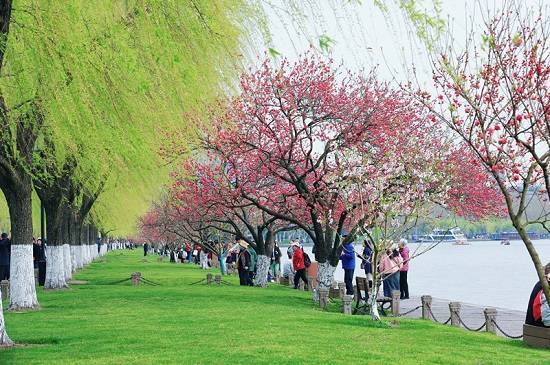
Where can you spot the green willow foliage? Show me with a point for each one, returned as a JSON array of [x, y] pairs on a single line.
[[113, 80]]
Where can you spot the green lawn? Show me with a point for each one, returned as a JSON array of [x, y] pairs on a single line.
[[178, 323]]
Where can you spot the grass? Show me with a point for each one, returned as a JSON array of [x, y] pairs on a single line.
[[178, 323]]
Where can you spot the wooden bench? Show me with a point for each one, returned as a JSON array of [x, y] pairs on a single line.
[[362, 285], [536, 336]]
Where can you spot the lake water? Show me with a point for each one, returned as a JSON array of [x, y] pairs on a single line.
[[484, 273]]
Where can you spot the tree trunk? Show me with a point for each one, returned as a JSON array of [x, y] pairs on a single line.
[[325, 276], [22, 282], [67, 261], [535, 258], [4, 338], [55, 256], [55, 268], [262, 270]]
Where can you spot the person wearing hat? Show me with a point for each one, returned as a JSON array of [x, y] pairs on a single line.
[[243, 263], [299, 265]]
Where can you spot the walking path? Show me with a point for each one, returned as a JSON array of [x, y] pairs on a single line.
[[511, 321]]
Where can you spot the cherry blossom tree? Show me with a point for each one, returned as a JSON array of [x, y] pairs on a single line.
[[494, 96], [330, 152]]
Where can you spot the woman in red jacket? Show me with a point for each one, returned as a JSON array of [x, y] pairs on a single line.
[[299, 265]]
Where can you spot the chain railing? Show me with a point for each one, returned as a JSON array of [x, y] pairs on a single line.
[[504, 333], [435, 319]]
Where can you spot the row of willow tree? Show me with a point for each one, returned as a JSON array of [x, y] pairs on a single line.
[[89, 91], [311, 146]]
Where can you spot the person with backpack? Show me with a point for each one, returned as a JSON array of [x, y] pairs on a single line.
[[298, 261], [348, 264]]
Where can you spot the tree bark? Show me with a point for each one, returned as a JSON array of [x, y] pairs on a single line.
[[535, 258], [22, 285], [325, 277], [5, 340], [55, 263], [262, 270]]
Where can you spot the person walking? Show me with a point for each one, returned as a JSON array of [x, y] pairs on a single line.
[[275, 263], [252, 268], [348, 264], [403, 273], [299, 265], [145, 249], [5, 248], [39, 260], [243, 263]]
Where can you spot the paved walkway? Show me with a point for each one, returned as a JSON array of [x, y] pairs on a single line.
[[511, 321]]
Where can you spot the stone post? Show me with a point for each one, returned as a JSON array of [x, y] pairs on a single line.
[[347, 300], [323, 297], [301, 285], [5, 289], [218, 279], [136, 278], [341, 289], [490, 317], [209, 278], [454, 308], [395, 296], [426, 305], [291, 279]]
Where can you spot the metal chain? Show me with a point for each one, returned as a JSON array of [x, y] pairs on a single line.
[[435, 319], [119, 281], [468, 328], [409, 312], [504, 333]]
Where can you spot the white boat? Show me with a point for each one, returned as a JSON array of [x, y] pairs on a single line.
[[453, 235]]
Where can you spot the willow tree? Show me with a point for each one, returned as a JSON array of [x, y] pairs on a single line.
[[103, 88]]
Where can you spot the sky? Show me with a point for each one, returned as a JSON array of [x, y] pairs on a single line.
[[365, 37]]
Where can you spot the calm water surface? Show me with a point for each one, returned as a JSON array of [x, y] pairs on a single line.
[[484, 273]]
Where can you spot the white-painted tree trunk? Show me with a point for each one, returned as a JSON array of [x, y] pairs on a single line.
[[262, 270], [67, 261], [4, 338], [22, 282], [77, 257], [55, 268], [86, 254], [373, 304], [103, 249], [325, 276]]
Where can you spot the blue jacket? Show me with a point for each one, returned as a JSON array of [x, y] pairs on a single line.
[[348, 257]]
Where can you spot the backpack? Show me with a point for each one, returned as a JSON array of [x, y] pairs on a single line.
[[307, 260]]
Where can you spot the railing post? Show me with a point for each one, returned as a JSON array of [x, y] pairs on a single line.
[[490, 317], [208, 278], [426, 306], [5, 290], [291, 279], [347, 299], [341, 289], [323, 297], [395, 296], [454, 308]]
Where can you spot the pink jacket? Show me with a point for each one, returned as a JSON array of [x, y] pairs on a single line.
[[388, 265], [404, 252]]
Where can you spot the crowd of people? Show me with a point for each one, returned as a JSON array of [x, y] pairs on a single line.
[[393, 267]]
